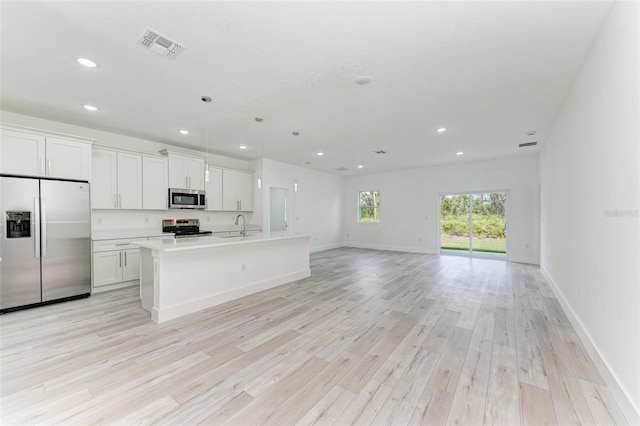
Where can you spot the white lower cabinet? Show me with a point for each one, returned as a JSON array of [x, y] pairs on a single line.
[[107, 268], [115, 261], [131, 265]]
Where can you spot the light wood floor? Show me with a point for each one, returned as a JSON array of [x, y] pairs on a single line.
[[372, 337]]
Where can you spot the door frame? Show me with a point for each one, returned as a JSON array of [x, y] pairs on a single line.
[[470, 252]]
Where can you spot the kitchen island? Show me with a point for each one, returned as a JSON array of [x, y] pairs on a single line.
[[182, 276]]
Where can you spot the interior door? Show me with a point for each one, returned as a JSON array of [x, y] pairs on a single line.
[[278, 209], [66, 243], [19, 257]]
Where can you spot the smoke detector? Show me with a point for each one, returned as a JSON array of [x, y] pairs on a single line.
[[160, 44]]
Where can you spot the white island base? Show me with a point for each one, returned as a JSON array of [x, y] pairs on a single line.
[[179, 277]]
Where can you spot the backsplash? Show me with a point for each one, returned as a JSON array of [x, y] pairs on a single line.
[[105, 220]]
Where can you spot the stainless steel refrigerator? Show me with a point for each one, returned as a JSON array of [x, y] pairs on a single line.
[[45, 247]]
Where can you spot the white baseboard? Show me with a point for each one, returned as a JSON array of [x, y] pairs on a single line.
[[631, 412], [197, 305], [109, 287], [524, 259], [420, 250], [325, 247]]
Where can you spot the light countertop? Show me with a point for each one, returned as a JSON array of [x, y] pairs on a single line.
[[114, 234], [229, 228], [195, 243]]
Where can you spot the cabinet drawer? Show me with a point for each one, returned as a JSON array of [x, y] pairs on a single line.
[[121, 244]]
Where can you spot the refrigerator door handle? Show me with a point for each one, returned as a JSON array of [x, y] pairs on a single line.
[[43, 226], [36, 221]]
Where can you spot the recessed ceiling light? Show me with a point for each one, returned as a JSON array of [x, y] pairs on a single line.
[[363, 79], [360, 166], [441, 129], [90, 107], [86, 62], [243, 147], [459, 153], [320, 153], [184, 132]]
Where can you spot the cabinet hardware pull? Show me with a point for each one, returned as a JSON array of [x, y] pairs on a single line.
[[36, 210], [125, 258], [43, 226], [120, 259], [119, 201]]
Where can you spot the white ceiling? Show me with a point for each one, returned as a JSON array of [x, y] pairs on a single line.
[[487, 71]]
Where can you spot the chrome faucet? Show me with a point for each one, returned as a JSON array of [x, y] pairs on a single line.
[[243, 232]]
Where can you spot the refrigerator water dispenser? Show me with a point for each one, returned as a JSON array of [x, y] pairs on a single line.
[[18, 224]]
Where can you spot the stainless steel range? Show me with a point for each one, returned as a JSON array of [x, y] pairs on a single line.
[[183, 228]]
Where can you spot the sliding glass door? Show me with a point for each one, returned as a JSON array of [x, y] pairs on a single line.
[[474, 223]]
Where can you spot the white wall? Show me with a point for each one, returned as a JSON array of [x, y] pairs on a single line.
[[315, 210], [104, 220], [590, 231], [409, 205]]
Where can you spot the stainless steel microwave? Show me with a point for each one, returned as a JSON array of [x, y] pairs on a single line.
[[187, 199]]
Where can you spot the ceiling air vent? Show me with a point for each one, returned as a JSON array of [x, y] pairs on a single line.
[[160, 44], [522, 145], [379, 152], [342, 169]]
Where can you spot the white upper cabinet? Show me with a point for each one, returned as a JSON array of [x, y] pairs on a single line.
[[230, 190], [68, 159], [129, 181], [38, 154], [195, 171], [104, 182], [117, 180], [22, 153], [155, 183], [245, 191], [213, 188], [237, 190], [185, 172]]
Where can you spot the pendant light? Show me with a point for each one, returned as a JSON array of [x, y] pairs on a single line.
[[207, 100], [206, 161], [260, 171]]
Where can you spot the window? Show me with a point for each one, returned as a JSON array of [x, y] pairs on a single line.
[[369, 206]]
